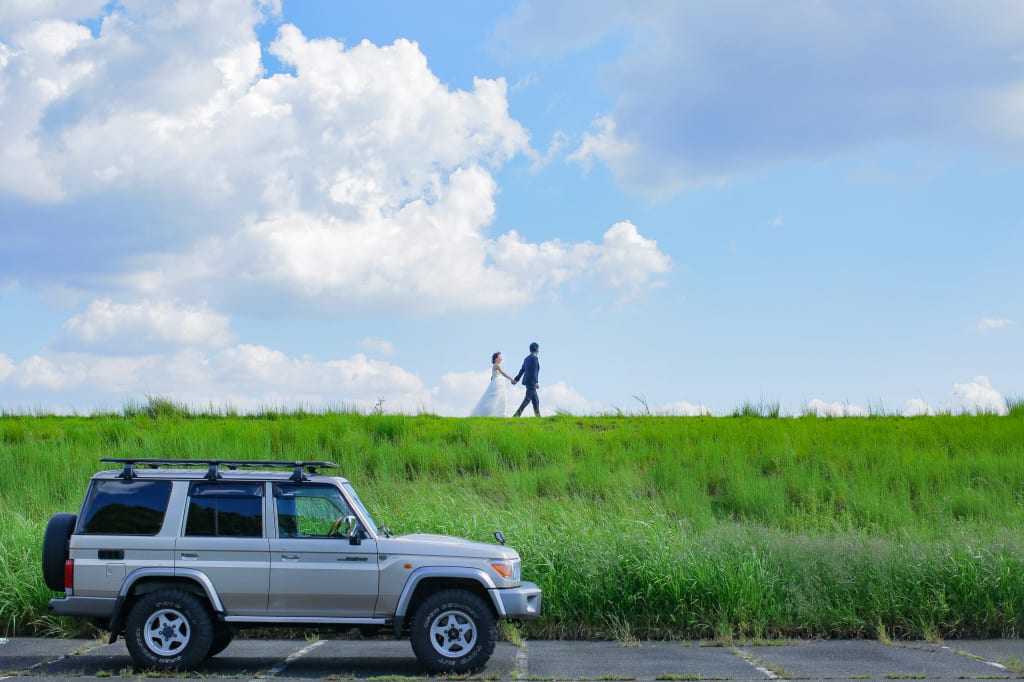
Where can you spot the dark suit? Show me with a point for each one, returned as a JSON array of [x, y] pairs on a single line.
[[530, 373]]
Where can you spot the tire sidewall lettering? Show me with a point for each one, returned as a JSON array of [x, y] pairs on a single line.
[[200, 631], [468, 605]]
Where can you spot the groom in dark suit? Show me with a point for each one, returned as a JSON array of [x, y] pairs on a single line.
[[530, 372]]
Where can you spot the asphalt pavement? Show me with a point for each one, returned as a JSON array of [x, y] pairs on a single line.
[[543, 661]]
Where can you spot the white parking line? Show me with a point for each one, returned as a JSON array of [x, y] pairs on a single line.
[[998, 666], [756, 664], [522, 664], [277, 670], [77, 652]]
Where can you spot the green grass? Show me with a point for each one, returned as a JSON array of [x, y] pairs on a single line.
[[709, 528], [1015, 405]]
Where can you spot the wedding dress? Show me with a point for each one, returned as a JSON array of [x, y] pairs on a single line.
[[492, 402]]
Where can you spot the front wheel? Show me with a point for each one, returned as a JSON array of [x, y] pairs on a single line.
[[169, 630], [453, 631]]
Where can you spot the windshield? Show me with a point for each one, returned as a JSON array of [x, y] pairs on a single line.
[[360, 507]]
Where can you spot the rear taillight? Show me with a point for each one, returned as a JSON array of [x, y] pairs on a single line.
[[69, 574]]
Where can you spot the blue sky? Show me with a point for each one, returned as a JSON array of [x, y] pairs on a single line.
[[689, 205]]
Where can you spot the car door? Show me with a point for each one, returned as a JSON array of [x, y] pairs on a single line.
[[223, 537], [315, 570]]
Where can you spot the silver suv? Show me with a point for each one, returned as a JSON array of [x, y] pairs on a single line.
[[176, 560]]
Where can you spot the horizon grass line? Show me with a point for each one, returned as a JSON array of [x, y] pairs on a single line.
[[161, 407]]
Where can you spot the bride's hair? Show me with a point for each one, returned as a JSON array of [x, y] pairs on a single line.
[[494, 358]]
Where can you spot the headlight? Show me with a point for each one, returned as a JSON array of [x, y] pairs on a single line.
[[508, 569]]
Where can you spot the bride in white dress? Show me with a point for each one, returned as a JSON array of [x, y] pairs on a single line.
[[492, 402]]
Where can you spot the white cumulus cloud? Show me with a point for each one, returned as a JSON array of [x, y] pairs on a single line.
[[377, 346], [623, 259], [242, 376], [917, 408], [145, 325], [459, 392], [155, 158], [683, 408], [977, 396], [6, 367], [557, 397], [40, 372], [834, 409]]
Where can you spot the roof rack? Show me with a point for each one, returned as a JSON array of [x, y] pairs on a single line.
[[213, 465]]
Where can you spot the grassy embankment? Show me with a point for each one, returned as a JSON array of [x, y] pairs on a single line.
[[710, 527]]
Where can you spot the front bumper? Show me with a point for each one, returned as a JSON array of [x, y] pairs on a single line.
[[520, 603], [95, 607]]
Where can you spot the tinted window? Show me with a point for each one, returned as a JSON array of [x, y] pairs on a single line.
[[125, 507], [226, 510]]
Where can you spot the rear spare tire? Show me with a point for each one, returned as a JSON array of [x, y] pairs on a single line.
[[55, 549]]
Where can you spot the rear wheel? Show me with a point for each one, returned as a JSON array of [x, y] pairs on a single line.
[[453, 631], [55, 549], [169, 630]]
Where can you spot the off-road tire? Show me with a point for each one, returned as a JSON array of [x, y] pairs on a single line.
[[55, 549], [169, 630], [453, 631]]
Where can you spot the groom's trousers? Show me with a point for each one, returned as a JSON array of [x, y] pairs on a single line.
[[531, 397]]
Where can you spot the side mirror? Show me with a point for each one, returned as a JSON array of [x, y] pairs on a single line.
[[350, 530], [499, 536]]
